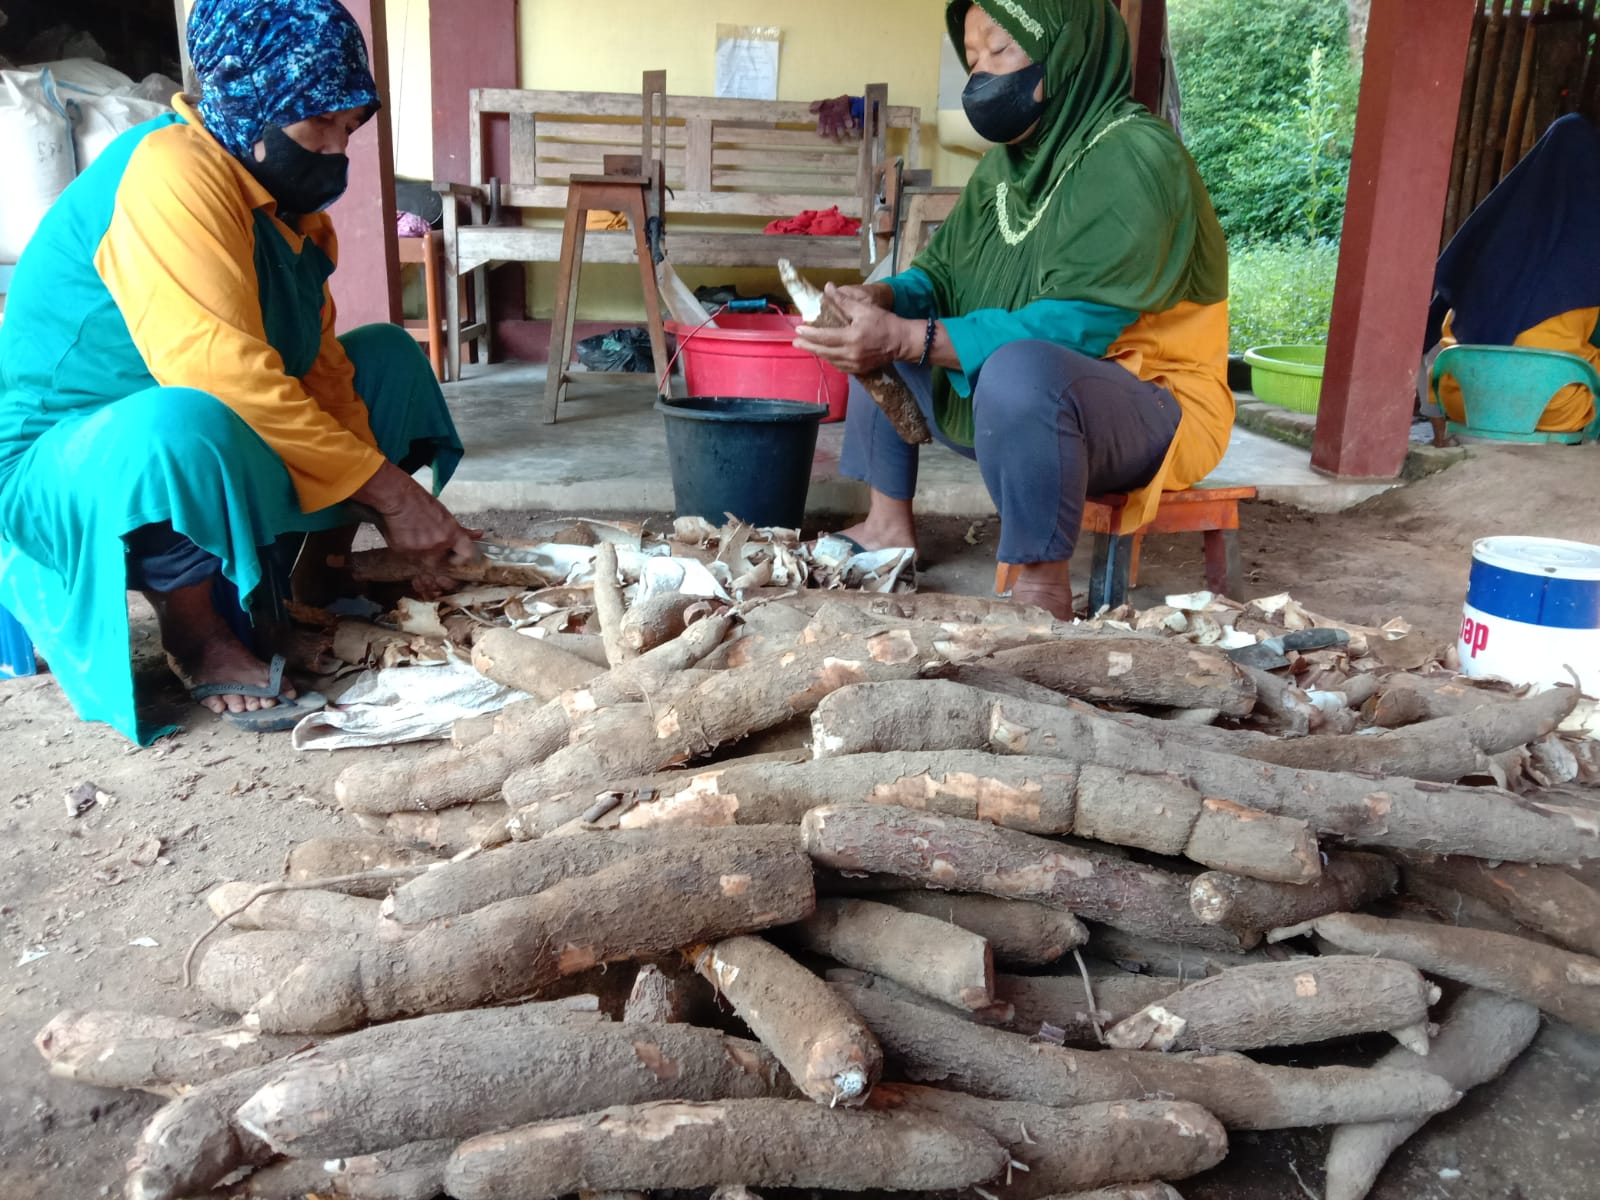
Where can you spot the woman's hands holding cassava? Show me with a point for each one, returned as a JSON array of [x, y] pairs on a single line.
[[873, 337], [413, 522]]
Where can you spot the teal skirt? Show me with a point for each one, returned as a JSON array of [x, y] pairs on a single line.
[[179, 455]]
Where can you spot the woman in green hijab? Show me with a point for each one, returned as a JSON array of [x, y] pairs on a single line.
[[1068, 325]]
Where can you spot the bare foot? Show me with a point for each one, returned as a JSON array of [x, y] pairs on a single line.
[[1047, 585], [202, 649], [889, 523]]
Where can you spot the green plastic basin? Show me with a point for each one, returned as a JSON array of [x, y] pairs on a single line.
[[1288, 376]]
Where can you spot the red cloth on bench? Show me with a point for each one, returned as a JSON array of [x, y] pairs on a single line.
[[829, 222]]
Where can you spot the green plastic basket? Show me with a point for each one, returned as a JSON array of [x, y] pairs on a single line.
[[1288, 376]]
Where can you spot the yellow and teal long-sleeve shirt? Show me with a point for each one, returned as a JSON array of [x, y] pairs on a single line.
[[169, 266]]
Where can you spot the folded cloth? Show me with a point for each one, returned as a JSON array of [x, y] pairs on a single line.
[[828, 222], [410, 225]]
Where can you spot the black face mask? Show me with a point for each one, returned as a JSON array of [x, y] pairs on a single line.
[[1001, 107], [301, 181]]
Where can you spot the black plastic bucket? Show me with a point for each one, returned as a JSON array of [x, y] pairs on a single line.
[[748, 457]]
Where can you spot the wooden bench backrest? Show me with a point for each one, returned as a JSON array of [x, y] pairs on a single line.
[[754, 158]]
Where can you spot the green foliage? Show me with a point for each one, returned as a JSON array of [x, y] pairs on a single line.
[[1269, 102], [1280, 293]]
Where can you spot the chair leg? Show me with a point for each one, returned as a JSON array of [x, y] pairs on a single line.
[[647, 281], [454, 293], [1224, 571], [482, 316], [1133, 560], [555, 387], [1108, 577], [430, 286]]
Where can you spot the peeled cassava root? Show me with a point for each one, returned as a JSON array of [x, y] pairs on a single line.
[[1563, 984], [930, 956], [933, 1047], [820, 1041], [973, 856], [288, 982], [1252, 908], [1055, 1150], [527, 734], [1035, 795], [677, 1145], [1285, 1004], [456, 1085], [1481, 1037], [1128, 1191], [1399, 812]]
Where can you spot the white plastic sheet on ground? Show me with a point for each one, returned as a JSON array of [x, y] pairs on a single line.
[[416, 703]]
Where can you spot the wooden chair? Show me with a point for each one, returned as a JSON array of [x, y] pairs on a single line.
[[923, 210], [730, 165], [635, 186], [1211, 512], [424, 252]]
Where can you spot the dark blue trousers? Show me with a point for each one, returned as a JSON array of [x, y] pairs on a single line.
[[1052, 427]]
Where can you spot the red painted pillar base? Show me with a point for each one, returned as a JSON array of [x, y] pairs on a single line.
[[1400, 172], [366, 286]]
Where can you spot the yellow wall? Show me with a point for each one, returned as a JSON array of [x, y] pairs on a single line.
[[410, 88]]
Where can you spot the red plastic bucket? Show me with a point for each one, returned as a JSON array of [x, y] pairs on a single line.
[[753, 354]]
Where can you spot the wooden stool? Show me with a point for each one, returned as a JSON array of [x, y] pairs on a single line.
[[425, 251], [635, 187], [1212, 512]]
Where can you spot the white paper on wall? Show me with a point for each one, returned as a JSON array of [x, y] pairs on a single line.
[[747, 61]]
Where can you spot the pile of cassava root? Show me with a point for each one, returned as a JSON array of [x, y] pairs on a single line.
[[916, 893]]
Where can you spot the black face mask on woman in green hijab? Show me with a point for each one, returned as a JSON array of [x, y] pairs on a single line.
[[1101, 203]]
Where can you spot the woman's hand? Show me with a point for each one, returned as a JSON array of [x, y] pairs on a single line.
[[880, 295], [414, 523], [873, 337]]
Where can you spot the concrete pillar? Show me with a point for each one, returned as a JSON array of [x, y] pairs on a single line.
[[1399, 176], [366, 286]]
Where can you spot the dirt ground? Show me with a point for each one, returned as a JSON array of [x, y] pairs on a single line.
[[212, 804]]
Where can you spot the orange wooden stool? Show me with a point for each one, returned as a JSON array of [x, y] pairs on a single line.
[[1211, 512]]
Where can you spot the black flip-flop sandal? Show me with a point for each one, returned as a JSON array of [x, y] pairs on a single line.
[[286, 714]]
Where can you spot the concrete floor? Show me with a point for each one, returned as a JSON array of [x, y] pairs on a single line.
[[608, 453]]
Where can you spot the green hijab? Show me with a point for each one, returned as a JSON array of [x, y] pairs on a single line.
[[1102, 204]]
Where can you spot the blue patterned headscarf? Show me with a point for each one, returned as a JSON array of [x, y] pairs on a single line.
[[275, 62]]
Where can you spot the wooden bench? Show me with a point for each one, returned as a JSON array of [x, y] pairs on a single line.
[[1211, 512], [739, 163]]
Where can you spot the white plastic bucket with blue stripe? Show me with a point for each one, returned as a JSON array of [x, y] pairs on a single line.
[[1533, 612]]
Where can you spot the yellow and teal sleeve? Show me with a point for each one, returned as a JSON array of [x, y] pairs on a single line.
[[178, 260], [1078, 325]]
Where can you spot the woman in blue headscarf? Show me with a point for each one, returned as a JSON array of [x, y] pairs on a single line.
[[173, 396]]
